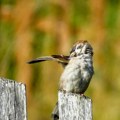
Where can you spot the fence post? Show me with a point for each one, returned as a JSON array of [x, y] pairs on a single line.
[[12, 100], [74, 107]]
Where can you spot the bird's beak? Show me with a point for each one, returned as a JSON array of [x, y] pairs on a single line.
[[83, 49]]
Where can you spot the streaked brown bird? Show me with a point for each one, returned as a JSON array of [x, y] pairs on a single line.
[[78, 69]]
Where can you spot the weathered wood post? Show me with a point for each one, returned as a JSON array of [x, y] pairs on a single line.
[[74, 107], [12, 100]]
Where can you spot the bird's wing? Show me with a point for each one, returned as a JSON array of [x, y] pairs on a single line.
[[61, 57], [41, 59], [58, 58]]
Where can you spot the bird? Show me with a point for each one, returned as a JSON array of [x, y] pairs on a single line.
[[78, 70]]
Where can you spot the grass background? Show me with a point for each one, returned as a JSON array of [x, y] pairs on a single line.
[[33, 28]]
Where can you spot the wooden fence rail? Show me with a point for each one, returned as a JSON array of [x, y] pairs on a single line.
[[12, 100], [13, 103]]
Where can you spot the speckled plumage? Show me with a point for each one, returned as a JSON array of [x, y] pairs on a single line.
[[77, 74]]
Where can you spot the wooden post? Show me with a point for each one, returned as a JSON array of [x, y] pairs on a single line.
[[74, 107], [12, 100]]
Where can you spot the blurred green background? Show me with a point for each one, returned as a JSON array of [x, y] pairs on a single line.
[[34, 28]]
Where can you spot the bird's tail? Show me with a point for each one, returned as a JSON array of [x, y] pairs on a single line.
[[55, 113]]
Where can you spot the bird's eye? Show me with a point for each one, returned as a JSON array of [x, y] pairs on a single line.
[[73, 49]]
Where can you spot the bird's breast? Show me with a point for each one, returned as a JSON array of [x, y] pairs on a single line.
[[75, 77], [70, 76]]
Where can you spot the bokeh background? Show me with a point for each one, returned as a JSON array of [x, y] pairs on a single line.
[[33, 28]]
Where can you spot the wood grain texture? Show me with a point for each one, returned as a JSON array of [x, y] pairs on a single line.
[[12, 100], [74, 107]]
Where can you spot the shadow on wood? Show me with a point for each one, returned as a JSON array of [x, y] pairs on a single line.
[[74, 107], [12, 100]]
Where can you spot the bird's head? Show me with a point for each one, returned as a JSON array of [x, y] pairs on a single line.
[[81, 47]]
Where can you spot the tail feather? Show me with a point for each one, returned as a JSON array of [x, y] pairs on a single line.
[[55, 113], [41, 59], [59, 58]]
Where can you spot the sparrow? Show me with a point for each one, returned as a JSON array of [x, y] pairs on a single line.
[[78, 69]]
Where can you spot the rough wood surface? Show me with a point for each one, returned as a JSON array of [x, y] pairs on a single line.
[[74, 107], [12, 100]]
